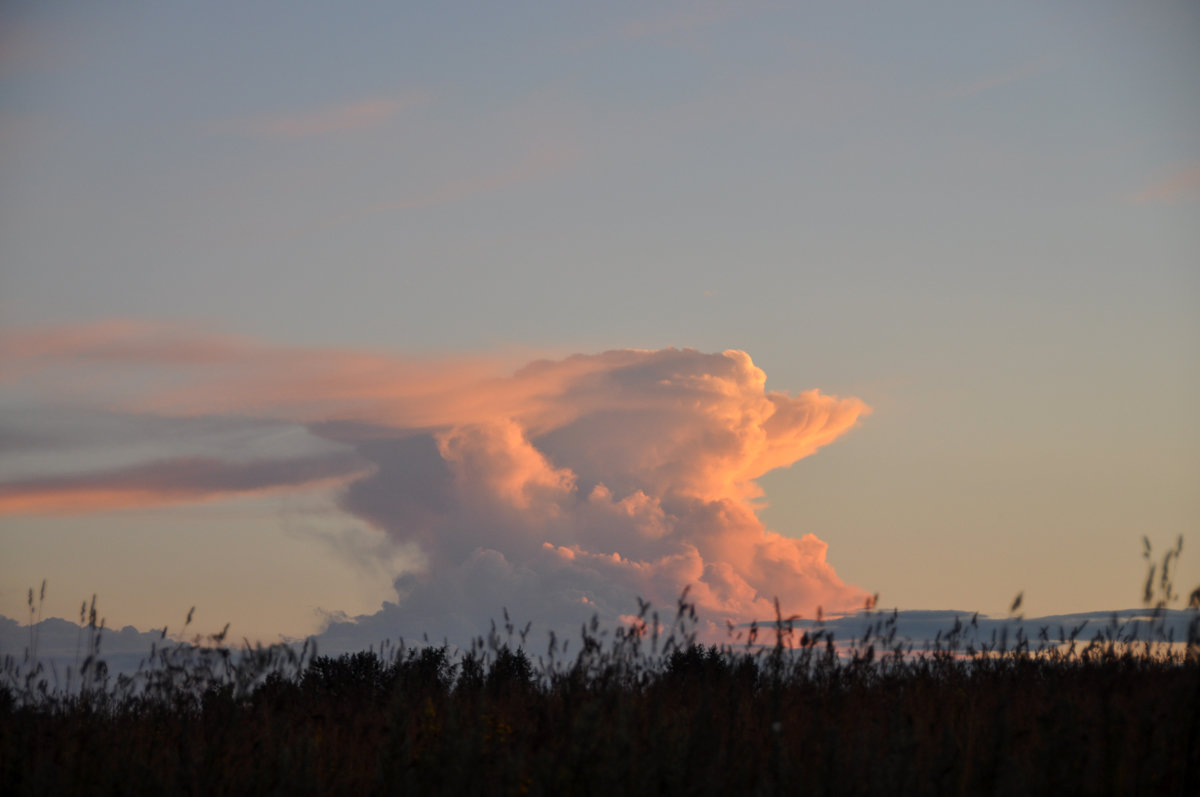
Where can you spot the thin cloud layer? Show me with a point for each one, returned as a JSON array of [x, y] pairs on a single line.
[[321, 121], [1181, 184], [559, 489], [174, 481]]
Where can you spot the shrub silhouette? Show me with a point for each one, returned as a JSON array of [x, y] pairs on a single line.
[[510, 671], [349, 676], [428, 671]]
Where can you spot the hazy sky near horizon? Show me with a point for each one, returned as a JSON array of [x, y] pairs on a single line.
[[265, 268]]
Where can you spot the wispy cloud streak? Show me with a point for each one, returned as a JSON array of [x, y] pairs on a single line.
[[1183, 183], [1002, 78], [175, 481], [538, 163], [688, 18], [320, 121]]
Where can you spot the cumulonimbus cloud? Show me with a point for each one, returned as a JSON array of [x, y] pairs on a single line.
[[561, 488]]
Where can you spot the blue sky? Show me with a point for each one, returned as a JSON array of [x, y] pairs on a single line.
[[981, 220]]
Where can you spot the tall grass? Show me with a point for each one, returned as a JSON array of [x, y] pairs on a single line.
[[644, 708]]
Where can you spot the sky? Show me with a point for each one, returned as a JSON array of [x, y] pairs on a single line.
[[411, 313]]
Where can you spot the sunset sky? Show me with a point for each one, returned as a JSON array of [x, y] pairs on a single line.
[[409, 313]]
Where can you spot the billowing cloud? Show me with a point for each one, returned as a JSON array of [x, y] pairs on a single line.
[[557, 489]]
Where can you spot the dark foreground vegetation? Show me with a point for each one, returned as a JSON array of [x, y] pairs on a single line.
[[644, 710]]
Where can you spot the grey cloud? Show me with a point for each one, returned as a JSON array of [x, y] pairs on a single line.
[[188, 477]]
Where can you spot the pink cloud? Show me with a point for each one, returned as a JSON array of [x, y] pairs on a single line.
[[1004, 77], [129, 340], [560, 486], [538, 163], [1183, 183], [320, 121], [176, 481], [688, 18]]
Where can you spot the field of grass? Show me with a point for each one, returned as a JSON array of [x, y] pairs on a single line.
[[642, 709]]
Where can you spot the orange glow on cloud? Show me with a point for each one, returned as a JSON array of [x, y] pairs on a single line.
[[55, 501], [117, 340], [1182, 183], [88, 500], [599, 477], [162, 483]]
